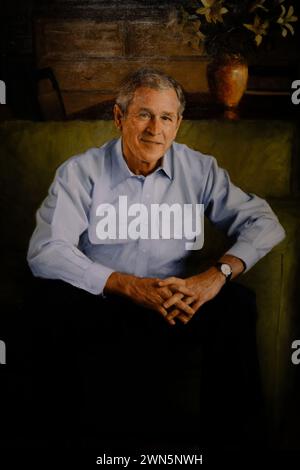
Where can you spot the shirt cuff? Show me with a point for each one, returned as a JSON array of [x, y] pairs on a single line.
[[95, 277], [246, 252]]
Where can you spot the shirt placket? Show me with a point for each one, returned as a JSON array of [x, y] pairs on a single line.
[[144, 245]]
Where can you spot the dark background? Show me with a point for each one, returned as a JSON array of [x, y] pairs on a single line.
[[86, 48]]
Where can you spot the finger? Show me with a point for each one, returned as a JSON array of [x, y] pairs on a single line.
[[166, 293], [176, 300], [162, 310], [170, 280], [172, 300], [185, 307], [164, 313], [183, 289], [176, 313], [189, 300], [186, 291], [184, 318], [173, 314]]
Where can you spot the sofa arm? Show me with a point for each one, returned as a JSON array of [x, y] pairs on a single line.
[[274, 279]]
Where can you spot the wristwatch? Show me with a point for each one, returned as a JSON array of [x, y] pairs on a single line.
[[225, 269]]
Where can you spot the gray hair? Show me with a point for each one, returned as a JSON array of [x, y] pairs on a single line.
[[150, 78]]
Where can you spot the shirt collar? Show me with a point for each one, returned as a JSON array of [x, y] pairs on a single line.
[[120, 170]]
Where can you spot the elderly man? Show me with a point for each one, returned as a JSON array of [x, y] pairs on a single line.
[[148, 319]]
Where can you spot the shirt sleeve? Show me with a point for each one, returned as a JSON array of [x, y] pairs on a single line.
[[63, 216], [245, 216]]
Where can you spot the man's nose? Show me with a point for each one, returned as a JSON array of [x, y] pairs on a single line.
[[154, 126]]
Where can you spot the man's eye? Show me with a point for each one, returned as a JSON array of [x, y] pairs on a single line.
[[167, 118], [144, 115]]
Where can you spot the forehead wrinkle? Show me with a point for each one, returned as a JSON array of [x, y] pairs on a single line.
[[144, 108]]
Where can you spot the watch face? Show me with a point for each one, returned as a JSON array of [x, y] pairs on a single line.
[[226, 269]]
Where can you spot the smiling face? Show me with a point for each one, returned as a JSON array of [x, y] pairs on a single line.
[[148, 128]]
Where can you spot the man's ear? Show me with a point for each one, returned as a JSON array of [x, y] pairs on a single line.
[[118, 115]]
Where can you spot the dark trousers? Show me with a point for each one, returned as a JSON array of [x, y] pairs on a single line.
[[107, 367]]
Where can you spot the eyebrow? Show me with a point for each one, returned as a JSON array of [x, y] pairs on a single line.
[[167, 113]]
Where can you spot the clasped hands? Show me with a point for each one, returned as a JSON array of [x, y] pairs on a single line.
[[176, 298]]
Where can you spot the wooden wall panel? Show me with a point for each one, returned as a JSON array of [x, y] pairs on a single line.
[[150, 39], [90, 55], [71, 39], [102, 75]]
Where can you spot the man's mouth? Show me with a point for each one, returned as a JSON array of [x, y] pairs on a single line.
[[146, 141]]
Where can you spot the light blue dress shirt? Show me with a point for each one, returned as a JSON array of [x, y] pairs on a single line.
[[64, 246]]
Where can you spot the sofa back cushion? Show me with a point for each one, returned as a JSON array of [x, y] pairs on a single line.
[[259, 155]]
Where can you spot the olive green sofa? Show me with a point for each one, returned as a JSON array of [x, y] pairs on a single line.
[[261, 157]]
